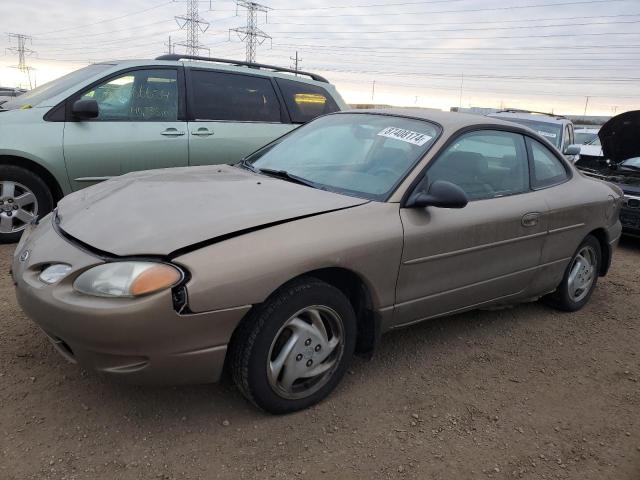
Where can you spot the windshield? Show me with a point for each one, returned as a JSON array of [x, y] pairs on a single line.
[[364, 155], [54, 87], [633, 163], [550, 131], [584, 138]]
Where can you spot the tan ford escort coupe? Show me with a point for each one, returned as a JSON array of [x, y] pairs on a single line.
[[281, 268]]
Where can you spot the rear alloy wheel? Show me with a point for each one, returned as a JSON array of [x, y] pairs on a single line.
[[292, 351], [580, 278], [23, 197]]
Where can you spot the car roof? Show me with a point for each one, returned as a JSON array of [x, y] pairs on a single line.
[[448, 120], [534, 116], [219, 66]]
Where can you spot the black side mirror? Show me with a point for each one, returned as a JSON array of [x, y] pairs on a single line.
[[441, 194], [85, 109]]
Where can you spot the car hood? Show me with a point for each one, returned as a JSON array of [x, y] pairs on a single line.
[[620, 137], [165, 212]]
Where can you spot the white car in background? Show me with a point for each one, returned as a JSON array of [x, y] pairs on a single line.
[[584, 136], [555, 128], [592, 149]]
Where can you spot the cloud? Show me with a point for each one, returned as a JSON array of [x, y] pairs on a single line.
[[418, 52]]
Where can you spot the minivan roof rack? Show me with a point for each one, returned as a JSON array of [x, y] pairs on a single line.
[[177, 56], [518, 110]]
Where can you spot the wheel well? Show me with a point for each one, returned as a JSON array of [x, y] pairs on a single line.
[[43, 173], [603, 239], [354, 288]]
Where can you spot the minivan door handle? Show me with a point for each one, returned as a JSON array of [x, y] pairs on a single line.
[[202, 132], [172, 132], [530, 219]]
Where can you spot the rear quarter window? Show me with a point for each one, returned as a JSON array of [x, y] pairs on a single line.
[[306, 102]]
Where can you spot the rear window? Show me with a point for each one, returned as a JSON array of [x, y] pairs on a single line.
[[233, 97], [306, 102]]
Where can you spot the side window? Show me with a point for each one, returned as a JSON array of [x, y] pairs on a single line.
[[304, 101], [143, 95], [547, 169], [485, 164], [233, 97]]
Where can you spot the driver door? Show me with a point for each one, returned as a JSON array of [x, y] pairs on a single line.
[[139, 127], [455, 259]]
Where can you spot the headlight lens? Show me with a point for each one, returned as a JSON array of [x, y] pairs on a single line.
[[54, 273], [127, 279]]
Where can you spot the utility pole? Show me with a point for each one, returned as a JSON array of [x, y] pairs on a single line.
[[461, 85], [251, 34], [194, 24], [615, 109], [373, 90], [169, 45], [296, 62], [586, 104], [23, 52]]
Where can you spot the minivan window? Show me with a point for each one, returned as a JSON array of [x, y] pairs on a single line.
[[233, 97], [304, 101], [55, 87], [142, 95]]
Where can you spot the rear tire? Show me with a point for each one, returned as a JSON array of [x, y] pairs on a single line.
[[23, 196], [292, 351], [580, 277]]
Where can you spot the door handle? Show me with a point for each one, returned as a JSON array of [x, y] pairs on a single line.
[[172, 132], [530, 219], [202, 132]]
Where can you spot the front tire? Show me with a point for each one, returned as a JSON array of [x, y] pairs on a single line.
[[23, 197], [292, 351], [580, 277]]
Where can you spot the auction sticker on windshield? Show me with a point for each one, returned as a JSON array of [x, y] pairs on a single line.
[[415, 138], [547, 134]]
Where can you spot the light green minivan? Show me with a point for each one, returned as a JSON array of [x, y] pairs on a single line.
[[108, 119]]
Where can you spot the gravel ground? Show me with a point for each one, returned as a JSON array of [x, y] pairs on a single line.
[[520, 393]]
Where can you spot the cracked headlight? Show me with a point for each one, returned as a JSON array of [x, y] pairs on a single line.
[[127, 279]]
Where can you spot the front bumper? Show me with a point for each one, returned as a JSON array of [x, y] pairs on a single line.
[[142, 340], [630, 214]]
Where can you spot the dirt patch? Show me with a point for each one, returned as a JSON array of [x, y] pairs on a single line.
[[521, 393]]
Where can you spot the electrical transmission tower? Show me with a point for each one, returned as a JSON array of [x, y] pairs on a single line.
[[251, 34], [23, 52], [194, 24]]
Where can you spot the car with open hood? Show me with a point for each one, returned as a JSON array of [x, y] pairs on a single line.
[[281, 268], [618, 162]]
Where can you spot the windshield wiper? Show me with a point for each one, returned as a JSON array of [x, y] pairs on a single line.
[[284, 175]]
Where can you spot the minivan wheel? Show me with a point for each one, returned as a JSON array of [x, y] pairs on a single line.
[[579, 279], [23, 197], [292, 351]]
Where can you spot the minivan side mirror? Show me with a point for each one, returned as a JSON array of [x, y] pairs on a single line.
[[572, 150], [441, 194], [85, 109]]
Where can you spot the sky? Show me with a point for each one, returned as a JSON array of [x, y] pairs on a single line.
[[546, 55]]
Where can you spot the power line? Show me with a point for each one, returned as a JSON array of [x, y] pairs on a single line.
[[137, 12], [251, 34], [194, 25], [466, 10]]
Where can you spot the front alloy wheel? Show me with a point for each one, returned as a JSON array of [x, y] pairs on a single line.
[[292, 351]]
